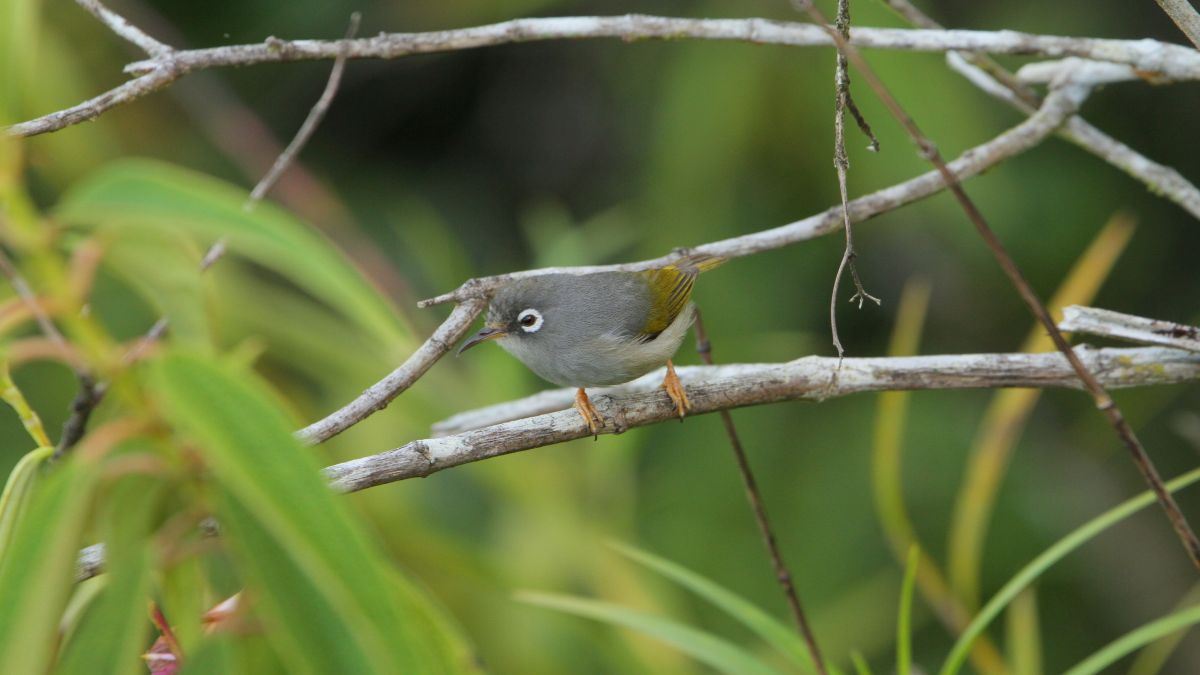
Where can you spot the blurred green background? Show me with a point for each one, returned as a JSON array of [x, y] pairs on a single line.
[[433, 169]]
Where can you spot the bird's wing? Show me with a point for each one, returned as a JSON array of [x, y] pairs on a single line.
[[670, 290]]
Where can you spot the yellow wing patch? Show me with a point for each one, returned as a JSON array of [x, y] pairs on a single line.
[[671, 289]]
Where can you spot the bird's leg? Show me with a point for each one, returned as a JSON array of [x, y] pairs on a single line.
[[674, 389], [588, 412]]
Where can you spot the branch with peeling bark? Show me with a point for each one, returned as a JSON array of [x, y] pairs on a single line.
[[1146, 59], [1129, 328]]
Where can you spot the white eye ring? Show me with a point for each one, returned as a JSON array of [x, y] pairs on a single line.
[[530, 320]]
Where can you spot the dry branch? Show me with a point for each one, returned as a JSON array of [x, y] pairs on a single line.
[[1160, 61], [531, 423], [1107, 323]]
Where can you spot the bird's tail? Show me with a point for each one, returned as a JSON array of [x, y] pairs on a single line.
[[697, 263]]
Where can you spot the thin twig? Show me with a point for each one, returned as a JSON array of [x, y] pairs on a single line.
[[548, 418], [841, 163], [759, 508], [119, 25], [1185, 16], [987, 74], [315, 115], [1160, 61], [1103, 401], [381, 393]]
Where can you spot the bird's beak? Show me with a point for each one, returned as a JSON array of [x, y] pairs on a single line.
[[488, 333]]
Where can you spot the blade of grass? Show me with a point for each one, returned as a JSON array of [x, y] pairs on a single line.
[[772, 631], [1050, 556], [860, 664], [1023, 633], [1010, 409], [904, 620], [1150, 661], [888, 485], [1126, 644], [717, 653]]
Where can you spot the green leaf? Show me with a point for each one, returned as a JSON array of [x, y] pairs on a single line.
[[36, 573], [774, 632], [716, 652], [904, 621], [113, 632], [1040, 564], [18, 32], [16, 491], [320, 584], [155, 194], [1136, 639]]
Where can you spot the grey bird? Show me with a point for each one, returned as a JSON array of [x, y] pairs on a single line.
[[597, 329]]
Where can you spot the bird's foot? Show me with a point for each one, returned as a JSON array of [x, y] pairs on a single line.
[[591, 417], [676, 392]]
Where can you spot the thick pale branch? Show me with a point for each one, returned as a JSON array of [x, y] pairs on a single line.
[[381, 393], [1059, 105], [712, 388], [1159, 61], [1107, 323]]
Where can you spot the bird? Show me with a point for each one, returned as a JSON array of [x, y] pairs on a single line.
[[598, 329]]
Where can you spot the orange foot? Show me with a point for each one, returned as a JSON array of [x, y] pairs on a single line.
[[674, 389], [589, 414]]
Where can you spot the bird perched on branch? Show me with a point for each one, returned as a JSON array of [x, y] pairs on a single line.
[[597, 329]]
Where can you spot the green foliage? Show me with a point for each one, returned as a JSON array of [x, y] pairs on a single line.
[[142, 193], [325, 590], [39, 563]]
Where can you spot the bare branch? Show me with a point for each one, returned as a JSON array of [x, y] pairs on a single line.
[[1059, 105], [713, 388], [1159, 61], [381, 393], [119, 25], [1107, 323], [547, 418], [1185, 16], [315, 115]]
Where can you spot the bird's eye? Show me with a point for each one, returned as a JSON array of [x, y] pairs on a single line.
[[530, 320]]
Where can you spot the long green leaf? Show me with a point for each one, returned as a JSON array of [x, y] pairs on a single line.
[[17, 490], [717, 653], [38, 565], [113, 631], [774, 632], [321, 584], [1136, 639], [155, 194], [904, 621], [1050, 556]]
